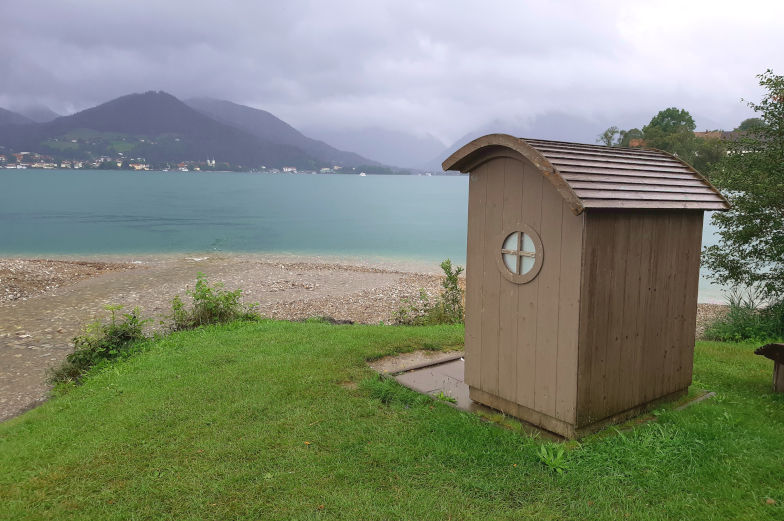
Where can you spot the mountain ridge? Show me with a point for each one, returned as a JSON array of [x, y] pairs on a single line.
[[182, 133], [269, 127], [9, 117]]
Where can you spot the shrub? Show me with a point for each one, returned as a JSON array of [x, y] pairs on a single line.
[[101, 342], [447, 309], [413, 312], [212, 304], [748, 318]]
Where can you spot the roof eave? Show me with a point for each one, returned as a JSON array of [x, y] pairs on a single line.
[[726, 204], [464, 158]]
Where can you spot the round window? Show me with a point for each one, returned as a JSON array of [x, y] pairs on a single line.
[[521, 254]]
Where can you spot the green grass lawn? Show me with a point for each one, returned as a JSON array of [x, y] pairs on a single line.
[[263, 421]]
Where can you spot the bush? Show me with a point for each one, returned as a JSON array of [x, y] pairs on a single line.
[[211, 305], [748, 319], [101, 342], [448, 308]]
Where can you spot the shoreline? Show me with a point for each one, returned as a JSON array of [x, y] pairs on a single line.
[[62, 295], [709, 294], [398, 264]]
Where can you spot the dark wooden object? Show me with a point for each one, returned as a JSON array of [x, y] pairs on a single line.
[[776, 353]]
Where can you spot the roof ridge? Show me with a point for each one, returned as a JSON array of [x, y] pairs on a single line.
[[649, 151]]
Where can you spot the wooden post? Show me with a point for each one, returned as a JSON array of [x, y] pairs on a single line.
[[778, 377], [776, 353]]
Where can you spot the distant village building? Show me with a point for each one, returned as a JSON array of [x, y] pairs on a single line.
[[719, 134]]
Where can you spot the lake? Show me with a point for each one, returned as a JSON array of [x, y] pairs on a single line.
[[90, 212]]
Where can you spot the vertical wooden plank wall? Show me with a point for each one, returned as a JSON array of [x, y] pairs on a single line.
[[491, 279], [639, 288], [546, 357], [528, 294], [568, 315], [477, 191], [508, 312], [521, 339], [692, 237]]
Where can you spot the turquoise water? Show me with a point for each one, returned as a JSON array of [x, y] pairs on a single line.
[[67, 212], [89, 212]]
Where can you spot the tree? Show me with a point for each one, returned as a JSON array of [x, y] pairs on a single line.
[[615, 137], [672, 130], [750, 124], [670, 121], [627, 136], [751, 247], [608, 137]]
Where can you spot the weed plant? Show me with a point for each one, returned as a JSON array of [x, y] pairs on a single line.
[[101, 342], [552, 456], [750, 317], [447, 309], [211, 304]]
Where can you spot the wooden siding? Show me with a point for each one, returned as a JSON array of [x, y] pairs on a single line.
[[521, 339], [639, 302]]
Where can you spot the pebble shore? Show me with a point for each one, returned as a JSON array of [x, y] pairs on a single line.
[[45, 303]]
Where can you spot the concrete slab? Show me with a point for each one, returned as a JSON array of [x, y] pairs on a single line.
[[438, 372], [434, 372], [446, 377]]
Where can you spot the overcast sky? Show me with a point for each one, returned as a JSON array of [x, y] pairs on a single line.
[[440, 67]]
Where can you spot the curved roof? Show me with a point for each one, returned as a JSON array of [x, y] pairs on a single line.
[[594, 176]]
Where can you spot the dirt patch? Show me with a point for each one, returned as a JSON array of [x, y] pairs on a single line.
[[21, 279]]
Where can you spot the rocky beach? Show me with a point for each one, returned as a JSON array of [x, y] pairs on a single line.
[[45, 303]]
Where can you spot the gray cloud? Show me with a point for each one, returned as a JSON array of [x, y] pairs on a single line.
[[440, 67]]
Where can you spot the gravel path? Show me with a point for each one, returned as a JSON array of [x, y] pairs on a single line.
[[44, 303]]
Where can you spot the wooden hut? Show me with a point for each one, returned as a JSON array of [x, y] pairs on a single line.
[[582, 272]]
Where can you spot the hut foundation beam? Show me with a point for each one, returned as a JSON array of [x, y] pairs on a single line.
[[560, 427]]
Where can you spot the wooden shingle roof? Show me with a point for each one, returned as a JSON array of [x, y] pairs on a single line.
[[594, 176]]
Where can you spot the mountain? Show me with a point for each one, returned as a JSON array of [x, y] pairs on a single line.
[[156, 126], [266, 126], [386, 146], [39, 113], [13, 118]]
